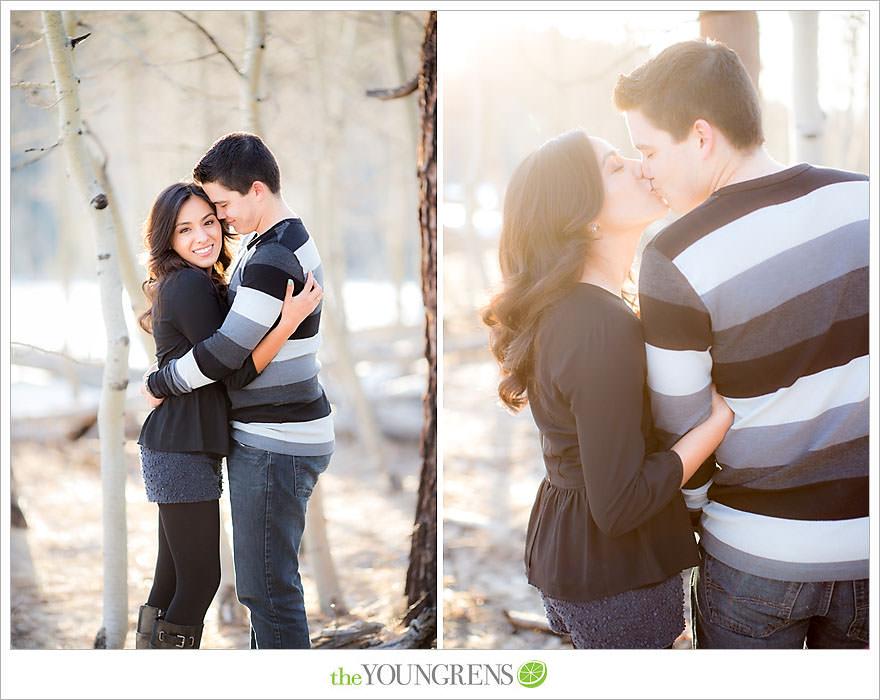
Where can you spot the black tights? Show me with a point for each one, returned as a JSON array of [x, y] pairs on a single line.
[[188, 564]]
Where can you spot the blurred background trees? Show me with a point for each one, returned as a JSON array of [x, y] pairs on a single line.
[[513, 80], [157, 89]]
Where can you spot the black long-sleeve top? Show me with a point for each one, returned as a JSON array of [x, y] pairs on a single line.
[[609, 516], [189, 309]]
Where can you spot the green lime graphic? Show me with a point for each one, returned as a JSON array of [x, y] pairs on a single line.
[[532, 673]]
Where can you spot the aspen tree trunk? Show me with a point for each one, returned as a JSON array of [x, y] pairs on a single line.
[[130, 271], [317, 546], [127, 263], [255, 47], [229, 609], [809, 142], [847, 150], [70, 19], [421, 576], [112, 405], [738, 29], [326, 179]]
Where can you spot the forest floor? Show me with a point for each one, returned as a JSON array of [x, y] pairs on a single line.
[[492, 466], [56, 562]]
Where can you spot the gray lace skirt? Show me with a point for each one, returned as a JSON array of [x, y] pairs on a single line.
[[179, 477], [651, 617]]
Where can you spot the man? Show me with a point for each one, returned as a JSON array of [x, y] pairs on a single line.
[[281, 425], [762, 288]]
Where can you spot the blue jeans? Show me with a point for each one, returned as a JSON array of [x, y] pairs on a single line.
[[268, 492], [736, 610]]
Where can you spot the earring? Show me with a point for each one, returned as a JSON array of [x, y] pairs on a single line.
[[594, 228]]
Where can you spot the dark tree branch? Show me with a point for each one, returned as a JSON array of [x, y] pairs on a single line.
[[213, 41], [394, 93], [150, 64], [194, 59], [420, 634], [41, 153], [76, 40]]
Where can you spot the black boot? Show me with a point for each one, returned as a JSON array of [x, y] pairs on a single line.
[[167, 635], [147, 616]]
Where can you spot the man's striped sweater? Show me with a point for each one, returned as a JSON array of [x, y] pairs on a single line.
[[763, 289], [284, 409]]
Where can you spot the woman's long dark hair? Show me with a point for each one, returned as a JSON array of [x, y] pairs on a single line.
[[162, 259], [552, 197]]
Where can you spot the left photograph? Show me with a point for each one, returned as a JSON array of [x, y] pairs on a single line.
[[222, 325]]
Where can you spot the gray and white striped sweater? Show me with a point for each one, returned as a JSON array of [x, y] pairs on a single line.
[[763, 289]]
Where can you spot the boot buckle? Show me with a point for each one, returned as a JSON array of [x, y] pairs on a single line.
[[182, 640]]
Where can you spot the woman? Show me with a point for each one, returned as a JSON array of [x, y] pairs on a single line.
[[609, 533], [184, 439]]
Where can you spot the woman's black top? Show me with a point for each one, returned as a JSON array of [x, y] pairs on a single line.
[[188, 309], [609, 516]]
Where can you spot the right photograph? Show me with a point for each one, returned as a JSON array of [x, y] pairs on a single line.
[[655, 416]]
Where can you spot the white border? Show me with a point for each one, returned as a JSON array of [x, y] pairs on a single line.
[[441, 183], [271, 674]]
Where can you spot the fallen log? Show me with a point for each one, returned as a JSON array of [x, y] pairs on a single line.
[[421, 633], [359, 635]]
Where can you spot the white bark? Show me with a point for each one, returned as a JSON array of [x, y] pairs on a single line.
[[809, 142], [230, 611], [335, 326], [130, 271], [115, 377], [255, 47], [318, 550]]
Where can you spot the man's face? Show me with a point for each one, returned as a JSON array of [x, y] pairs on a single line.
[[677, 171], [240, 211], [629, 201]]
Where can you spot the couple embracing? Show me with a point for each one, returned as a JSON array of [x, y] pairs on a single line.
[[237, 377], [730, 398]]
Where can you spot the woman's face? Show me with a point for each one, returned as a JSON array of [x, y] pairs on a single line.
[[197, 236], [630, 201]]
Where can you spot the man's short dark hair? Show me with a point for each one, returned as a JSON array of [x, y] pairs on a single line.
[[695, 80], [236, 161]]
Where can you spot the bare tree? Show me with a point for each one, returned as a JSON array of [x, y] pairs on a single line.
[[255, 46], [129, 269], [250, 75], [317, 547], [115, 375], [738, 29], [421, 577], [809, 119], [327, 167]]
